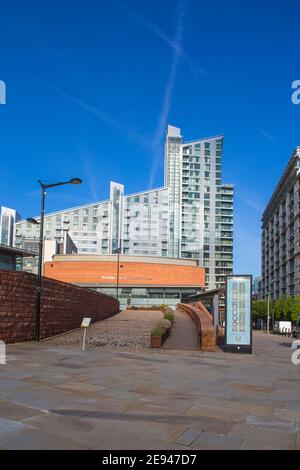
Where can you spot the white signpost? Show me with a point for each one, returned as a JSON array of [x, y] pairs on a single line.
[[85, 324], [2, 353]]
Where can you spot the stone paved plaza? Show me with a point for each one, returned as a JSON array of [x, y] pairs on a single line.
[[59, 397]]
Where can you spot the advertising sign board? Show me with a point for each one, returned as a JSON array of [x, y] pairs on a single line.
[[238, 331]]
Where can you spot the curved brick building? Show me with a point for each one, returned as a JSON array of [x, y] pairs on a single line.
[[144, 280]]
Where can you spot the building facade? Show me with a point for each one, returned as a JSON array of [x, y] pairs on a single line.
[[11, 258], [51, 247], [281, 235], [138, 280], [8, 218], [191, 216]]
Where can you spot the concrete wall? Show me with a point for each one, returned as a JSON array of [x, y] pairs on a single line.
[[63, 306]]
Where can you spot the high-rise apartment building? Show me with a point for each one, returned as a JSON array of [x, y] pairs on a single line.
[[8, 218], [191, 216], [281, 235]]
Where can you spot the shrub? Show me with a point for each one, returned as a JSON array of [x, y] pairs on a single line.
[[161, 328]]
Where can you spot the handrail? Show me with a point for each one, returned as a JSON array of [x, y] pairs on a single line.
[[203, 322]]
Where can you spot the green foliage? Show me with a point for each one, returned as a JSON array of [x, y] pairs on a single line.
[[279, 308], [285, 308], [259, 309], [169, 316], [161, 328]]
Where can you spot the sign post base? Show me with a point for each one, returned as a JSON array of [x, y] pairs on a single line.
[[237, 349]]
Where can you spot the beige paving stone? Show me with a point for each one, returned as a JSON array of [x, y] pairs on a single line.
[[30, 439], [83, 388], [251, 387], [14, 411], [288, 414], [215, 402], [204, 423], [150, 398], [259, 400], [278, 439], [255, 445], [272, 423], [188, 436], [216, 413], [250, 408], [213, 441]]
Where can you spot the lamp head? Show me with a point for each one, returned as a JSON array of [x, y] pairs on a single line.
[[75, 181]]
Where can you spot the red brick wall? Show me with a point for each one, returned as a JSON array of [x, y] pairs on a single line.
[[62, 307], [131, 273]]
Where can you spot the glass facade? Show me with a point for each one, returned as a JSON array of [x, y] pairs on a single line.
[[8, 217], [190, 217]]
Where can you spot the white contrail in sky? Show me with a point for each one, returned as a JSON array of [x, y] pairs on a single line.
[[155, 29], [250, 201], [268, 136], [122, 128], [90, 174], [163, 117], [125, 130]]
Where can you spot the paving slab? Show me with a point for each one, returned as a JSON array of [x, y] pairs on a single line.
[[288, 414], [213, 441], [218, 413], [56, 396], [31, 439], [272, 423], [279, 439], [255, 445], [188, 436], [16, 412], [8, 426], [251, 408]]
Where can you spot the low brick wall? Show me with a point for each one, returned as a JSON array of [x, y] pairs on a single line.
[[62, 307], [203, 322]]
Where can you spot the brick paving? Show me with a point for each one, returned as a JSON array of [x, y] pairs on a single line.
[[129, 330], [58, 397]]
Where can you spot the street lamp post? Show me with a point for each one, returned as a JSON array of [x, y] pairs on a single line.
[[268, 314], [118, 251], [41, 244]]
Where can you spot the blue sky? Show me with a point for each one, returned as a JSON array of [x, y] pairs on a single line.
[[91, 86]]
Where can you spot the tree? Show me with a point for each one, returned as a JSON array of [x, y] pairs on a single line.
[[259, 310], [280, 308], [296, 311]]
